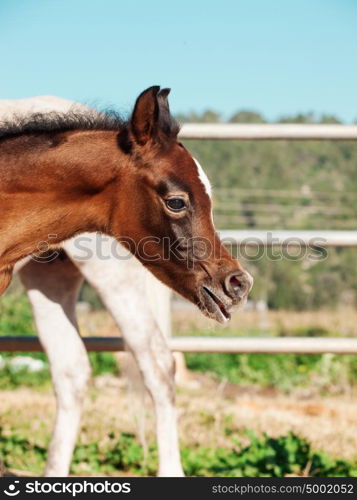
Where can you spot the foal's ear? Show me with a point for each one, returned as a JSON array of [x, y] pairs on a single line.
[[145, 115], [167, 124], [164, 111], [162, 98]]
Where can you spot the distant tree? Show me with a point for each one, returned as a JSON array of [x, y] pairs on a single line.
[[187, 117], [246, 116], [208, 116], [329, 119], [299, 118]]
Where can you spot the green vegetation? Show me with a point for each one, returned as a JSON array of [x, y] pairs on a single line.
[[16, 319], [285, 372], [15, 314], [13, 376], [305, 284], [263, 456], [320, 166]]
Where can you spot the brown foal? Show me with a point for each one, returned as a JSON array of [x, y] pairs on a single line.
[[61, 175]]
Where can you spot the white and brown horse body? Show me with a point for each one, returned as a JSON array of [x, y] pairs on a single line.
[[139, 304], [149, 190]]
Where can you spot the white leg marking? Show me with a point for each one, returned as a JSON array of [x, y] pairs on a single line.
[[122, 285], [52, 290]]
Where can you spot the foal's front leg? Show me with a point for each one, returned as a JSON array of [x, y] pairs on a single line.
[[122, 285], [52, 289]]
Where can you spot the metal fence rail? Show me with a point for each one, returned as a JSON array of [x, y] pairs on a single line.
[[286, 345], [267, 131], [279, 238]]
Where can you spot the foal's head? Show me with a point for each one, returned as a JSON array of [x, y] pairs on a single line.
[[168, 213]]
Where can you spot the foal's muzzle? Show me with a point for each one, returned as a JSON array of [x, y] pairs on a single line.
[[220, 298]]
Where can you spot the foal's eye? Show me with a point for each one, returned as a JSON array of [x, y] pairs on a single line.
[[175, 204]]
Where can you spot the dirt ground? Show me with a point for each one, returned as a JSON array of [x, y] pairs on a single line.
[[206, 410]]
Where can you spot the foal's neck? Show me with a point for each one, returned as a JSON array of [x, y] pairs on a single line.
[[54, 188]]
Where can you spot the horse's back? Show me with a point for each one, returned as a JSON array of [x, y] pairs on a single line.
[[10, 108]]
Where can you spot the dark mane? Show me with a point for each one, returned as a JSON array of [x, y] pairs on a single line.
[[55, 122]]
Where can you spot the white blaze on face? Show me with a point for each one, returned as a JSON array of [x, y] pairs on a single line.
[[203, 178]]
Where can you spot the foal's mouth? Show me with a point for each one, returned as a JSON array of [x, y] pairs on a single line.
[[213, 306]]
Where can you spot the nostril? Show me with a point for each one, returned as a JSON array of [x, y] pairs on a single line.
[[237, 284]]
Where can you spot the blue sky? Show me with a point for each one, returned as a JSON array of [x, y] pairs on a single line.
[[275, 56]]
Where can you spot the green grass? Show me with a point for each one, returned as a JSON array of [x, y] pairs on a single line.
[[13, 377], [282, 371], [16, 319], [263, 456], [16, 315]]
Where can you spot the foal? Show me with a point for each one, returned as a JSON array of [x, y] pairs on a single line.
[[131, 180], [182, 201]]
